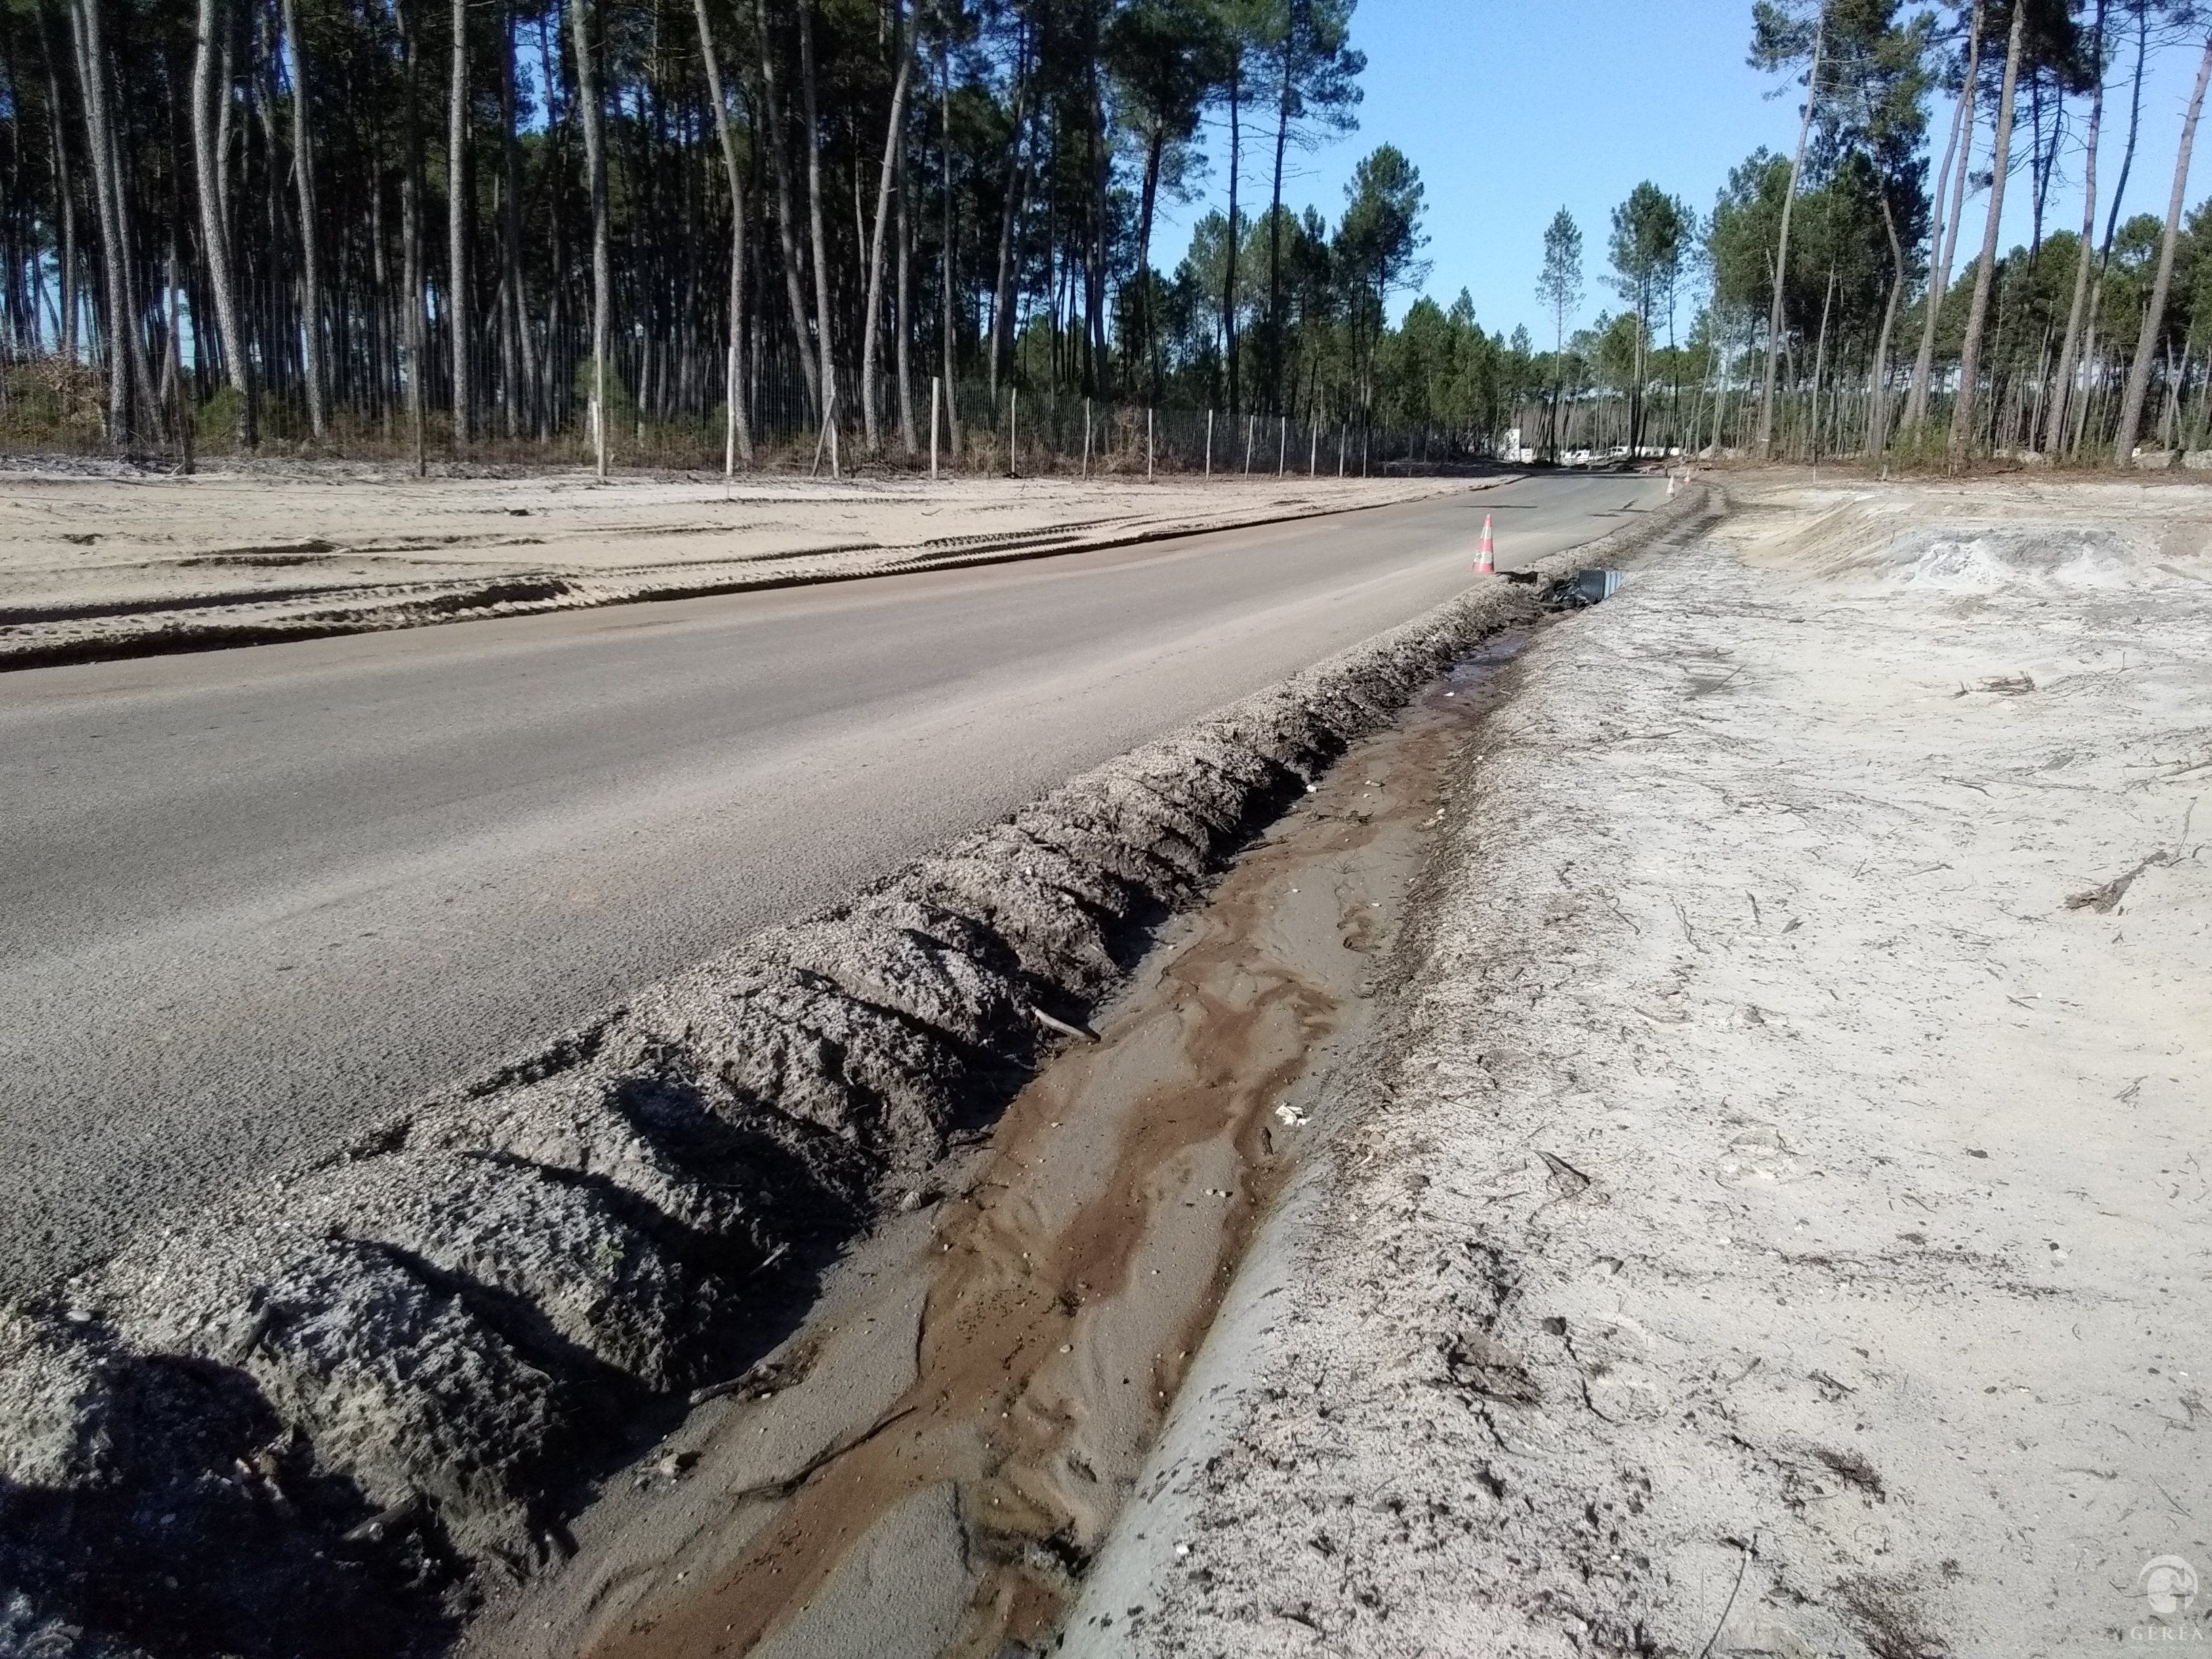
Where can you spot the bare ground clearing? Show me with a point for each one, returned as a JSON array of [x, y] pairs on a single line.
[[102, 566], [1782, 1226]]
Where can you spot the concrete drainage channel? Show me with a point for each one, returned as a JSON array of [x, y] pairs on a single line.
[[368, 1410]]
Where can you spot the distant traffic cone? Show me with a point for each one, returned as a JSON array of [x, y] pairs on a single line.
[[1485, 561]]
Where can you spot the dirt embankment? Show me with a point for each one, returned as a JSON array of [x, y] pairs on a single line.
[[1783, 1227], [304, 1425], [95, 566]]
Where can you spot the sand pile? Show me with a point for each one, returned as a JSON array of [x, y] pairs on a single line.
[[2024, 539]]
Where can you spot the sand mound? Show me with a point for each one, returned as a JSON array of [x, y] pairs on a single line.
[[2000, 558], [1922, 542]]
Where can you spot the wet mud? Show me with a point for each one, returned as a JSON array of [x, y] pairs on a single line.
[[1038, 1318]]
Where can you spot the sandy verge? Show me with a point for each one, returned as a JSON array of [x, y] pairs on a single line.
[[102, 566], [1780, 1226]]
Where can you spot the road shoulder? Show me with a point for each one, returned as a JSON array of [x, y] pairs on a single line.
[[1777, 1225], [98, 567]]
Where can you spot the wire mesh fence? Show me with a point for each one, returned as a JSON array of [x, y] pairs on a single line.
[[658, 420], [1023, 432]]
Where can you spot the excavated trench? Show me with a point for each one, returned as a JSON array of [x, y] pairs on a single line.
[[927, 1465], [374, 1406]]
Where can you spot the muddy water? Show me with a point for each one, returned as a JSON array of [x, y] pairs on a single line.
[[936, 1456]]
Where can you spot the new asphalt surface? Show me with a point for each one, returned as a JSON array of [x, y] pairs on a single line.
[[253, 900]]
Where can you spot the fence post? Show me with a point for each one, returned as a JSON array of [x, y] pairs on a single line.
[[1251, 425], [1013, 431], [936, 387], [1209, 440], [1282, 443], [1340, 449], [1148, 441], [1312, 450], [1086, 437]]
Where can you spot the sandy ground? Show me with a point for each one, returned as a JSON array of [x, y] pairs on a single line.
[[1776, 1222], [93, 564]]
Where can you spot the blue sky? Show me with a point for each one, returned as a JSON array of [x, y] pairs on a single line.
[[1514, 108]]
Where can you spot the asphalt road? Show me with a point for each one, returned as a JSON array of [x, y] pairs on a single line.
[[252, 899]]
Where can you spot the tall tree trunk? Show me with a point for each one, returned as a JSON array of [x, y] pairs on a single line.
[[1782, 251], [1095, 288], [414, 330], [1942, 232], [2153, 320], [1970, 352], [1819, 368], [894, 135], [518, 368], [2089, 350], [2135, 132], [2048, 171], [457, 225], [740, 429], [1147, 198], [1636, 386], [1229, 277], [176, 374], [126, 367], [386, 336], [1274, 338], [1012, 203], [174, 398], [311, 274], [904, 330], [595, 166], [69, 275], [225, 79], [2062, 390], [215, 232], [823, 343], [2040, 167], [559, 380], [786, 219], [1878, 411], [948, 341]]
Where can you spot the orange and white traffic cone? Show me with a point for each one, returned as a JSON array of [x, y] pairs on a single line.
[[1485, 560]]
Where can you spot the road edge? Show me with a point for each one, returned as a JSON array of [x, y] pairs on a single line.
[[1141, 1549], [186, 629]]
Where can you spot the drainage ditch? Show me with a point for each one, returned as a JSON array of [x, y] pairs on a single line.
[[928, 1465]]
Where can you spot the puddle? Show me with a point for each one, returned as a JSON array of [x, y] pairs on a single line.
[[927, 1467]]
